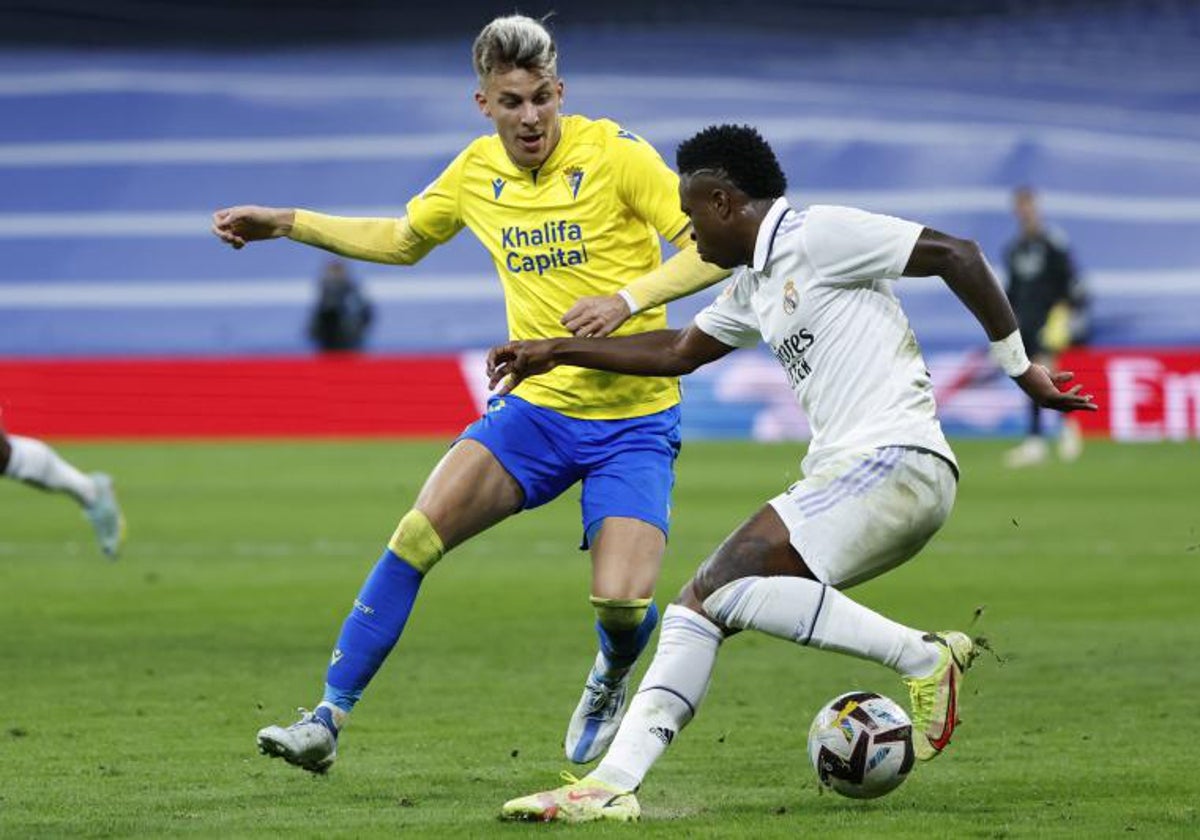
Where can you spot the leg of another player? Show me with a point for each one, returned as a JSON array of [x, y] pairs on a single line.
[[1033, 449], [1070, 435], [755, 580], [467, 492], [33, 462], [626, 559]]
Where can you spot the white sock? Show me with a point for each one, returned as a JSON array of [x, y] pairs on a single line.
[[667, 699], [817, 615], [36, 463]]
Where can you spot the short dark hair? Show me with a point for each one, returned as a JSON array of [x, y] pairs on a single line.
[[740, 153]]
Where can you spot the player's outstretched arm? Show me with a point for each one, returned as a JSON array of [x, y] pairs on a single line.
[[682, 275], [381, 240], [963, 266], [655, 353], [251, 223]]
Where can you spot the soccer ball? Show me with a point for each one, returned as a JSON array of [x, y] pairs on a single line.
[[861, 745]]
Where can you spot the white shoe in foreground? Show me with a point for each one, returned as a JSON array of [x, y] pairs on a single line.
[[307, 743], [578, 801], [596, 719], [105, 515]]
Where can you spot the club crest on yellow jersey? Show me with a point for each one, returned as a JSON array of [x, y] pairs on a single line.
[[573, 175]]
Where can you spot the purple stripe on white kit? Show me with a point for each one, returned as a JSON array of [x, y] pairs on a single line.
[[878, 469], [855, 483], [837, 486]]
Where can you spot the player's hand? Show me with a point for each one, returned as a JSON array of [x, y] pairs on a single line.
[[518, 360], [596, 317], [249, 223], [1042, 386]]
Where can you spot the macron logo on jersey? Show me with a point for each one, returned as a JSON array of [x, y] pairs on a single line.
[[497, 187], [628, 135]]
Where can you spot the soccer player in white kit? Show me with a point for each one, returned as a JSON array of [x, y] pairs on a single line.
[[31, 461], [880, 479]]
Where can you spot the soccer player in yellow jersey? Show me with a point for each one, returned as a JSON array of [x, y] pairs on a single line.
[[569, 209]]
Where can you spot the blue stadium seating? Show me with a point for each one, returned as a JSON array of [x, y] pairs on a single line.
[[112, 161]]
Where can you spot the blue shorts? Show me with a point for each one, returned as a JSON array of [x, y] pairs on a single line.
[[626, 466]]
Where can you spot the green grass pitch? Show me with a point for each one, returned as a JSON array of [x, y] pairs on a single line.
[[132, 691]]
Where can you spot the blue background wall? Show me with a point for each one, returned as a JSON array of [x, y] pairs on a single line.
[[113, 157]]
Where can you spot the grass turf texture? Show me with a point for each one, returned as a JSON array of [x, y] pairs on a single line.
[[131, 692]]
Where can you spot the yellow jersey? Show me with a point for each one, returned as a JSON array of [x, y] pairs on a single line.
[[585, 223]]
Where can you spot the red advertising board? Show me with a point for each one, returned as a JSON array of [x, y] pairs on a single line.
[[1144, 394], [334, 395]]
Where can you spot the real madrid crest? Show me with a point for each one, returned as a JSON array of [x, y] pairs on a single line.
[[791, 298]]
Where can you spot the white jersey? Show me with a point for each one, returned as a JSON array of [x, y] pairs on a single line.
[[820, 294]]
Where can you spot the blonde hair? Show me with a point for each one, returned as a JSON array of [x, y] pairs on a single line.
[[514, 42]]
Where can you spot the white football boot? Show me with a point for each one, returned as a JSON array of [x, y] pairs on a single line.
[[105, 515], [308, 743], [597, 717]]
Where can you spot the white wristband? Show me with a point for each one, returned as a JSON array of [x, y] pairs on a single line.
[[1009, 354], [633, 307]]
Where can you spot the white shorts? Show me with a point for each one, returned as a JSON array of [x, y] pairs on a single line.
[[868, 514]]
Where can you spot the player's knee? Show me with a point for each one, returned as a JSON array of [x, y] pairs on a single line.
[[620, 614], [734, 604], [416, 542], [732, 561]]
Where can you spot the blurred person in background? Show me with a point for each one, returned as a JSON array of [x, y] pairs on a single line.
[[31, 461], [1048, 297], [342, 313], [571, 210]]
